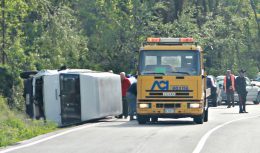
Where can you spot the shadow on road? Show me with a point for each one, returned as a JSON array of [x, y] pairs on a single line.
[[225, 106], [218, 107], [230, 113], [134, 123]]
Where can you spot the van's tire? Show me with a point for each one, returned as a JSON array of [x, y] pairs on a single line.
[[142, 119]]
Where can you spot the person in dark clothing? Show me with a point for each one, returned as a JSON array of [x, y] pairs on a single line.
[[131, 99], [241, 91]]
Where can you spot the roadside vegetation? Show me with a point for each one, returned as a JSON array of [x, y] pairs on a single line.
[[15, 127]]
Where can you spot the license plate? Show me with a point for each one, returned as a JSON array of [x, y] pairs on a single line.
[[169, 110], [168, 94]]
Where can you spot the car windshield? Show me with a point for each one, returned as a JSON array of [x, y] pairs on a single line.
[[257, 79], [178, 63]]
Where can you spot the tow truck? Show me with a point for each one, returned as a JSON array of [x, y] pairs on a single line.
[[171, 80]]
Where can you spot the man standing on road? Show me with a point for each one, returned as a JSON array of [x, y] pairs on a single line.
[[131, 99], [229, 87], [241, 91], [125, 84]]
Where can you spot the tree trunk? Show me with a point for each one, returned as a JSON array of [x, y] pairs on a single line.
[[178, 8], [3, 32], [205, 8], [254, 9]]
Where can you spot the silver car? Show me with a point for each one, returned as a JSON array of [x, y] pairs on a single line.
[[256, 82], [252, 95], [215, 97]]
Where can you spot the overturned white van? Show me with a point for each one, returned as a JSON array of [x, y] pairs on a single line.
[[73, 96]]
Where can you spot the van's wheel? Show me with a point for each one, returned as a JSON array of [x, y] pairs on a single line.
[[154, 119], [142, 119]]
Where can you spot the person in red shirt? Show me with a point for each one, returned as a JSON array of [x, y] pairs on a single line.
[[125, 84], [229, 87]]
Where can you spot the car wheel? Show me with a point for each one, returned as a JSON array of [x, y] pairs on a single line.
[[215, 103], [219, 102], [257, 99]]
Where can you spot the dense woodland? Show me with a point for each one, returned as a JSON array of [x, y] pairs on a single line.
[[104, 34]]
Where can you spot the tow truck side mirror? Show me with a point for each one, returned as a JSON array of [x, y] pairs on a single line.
[[204, 75]]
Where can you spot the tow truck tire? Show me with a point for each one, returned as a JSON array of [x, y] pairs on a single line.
[[199, 119], [206, 115], [142, 119]]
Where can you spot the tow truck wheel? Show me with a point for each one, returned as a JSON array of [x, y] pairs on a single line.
[[142, 119], [199, 119], [206, 114]]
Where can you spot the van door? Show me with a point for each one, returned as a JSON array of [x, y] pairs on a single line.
[[70, 98]]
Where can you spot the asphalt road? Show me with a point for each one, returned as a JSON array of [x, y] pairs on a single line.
[[226, 132]]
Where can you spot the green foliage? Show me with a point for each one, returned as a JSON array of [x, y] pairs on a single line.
[[16, 127], [11, 87], [58, 39], [111, 31]]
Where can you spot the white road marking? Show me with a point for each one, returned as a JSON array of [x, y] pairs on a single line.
[[51, 137], [203, 140]]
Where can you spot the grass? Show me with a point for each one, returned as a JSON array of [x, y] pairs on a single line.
[[15, 127]]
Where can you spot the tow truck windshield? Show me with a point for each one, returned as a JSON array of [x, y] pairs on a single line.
[[175, 63]]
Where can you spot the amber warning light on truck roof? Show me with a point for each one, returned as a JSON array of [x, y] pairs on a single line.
[[170, 40]]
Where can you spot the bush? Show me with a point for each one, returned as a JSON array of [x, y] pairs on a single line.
[[15, 127]]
